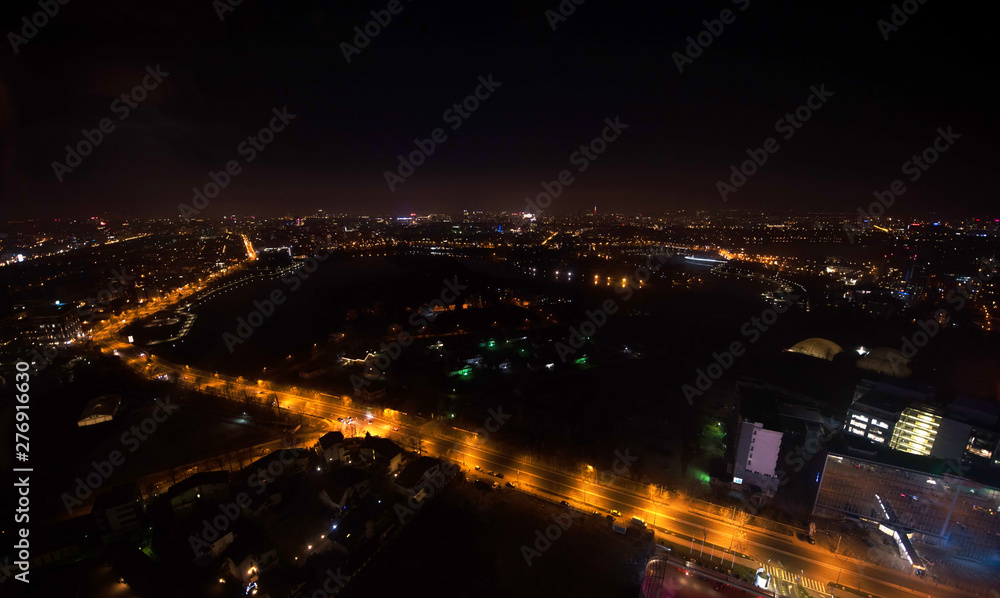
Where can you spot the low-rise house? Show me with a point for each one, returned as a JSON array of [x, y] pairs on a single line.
[[276, 465], [381, 513], [118, 512], [249, 555], [352, 532], [420, 478], [264, 501], [208, 486], [342, 485], [331, 446], [205, 548], [382, 451]]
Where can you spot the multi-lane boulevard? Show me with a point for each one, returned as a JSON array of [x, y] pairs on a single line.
[[793, 557]]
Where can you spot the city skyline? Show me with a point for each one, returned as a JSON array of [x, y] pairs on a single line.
[[530, 298], [692, 113]]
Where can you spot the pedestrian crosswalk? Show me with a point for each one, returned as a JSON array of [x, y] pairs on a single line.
[[795, 579]]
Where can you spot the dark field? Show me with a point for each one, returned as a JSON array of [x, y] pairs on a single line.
[[467, 542]]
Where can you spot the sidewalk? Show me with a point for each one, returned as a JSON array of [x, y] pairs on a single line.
[[737, 565]]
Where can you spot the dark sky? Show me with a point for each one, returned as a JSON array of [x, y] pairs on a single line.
[[606, 59]]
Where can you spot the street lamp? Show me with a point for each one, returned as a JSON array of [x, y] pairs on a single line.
[[839, 538]]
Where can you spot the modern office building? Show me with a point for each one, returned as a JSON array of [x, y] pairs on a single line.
[[874, 415], [757, 457], [51, 325], [984, 443], [916, 430], [902, 418], [929, 501], [983, 419]]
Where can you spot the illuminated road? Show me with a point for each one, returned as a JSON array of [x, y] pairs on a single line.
[[792, 556]]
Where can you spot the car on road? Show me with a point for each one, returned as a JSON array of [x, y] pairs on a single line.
[[478, 468], [500, 475], [811, 540], [395, 429], [509, 484], [564, 503], [598, 513], [616, 513], [490, 473]]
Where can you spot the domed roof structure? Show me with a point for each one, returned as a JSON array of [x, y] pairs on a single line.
[[886, 360], [819, 348]]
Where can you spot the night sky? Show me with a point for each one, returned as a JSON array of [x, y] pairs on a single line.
[[606, 59]]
